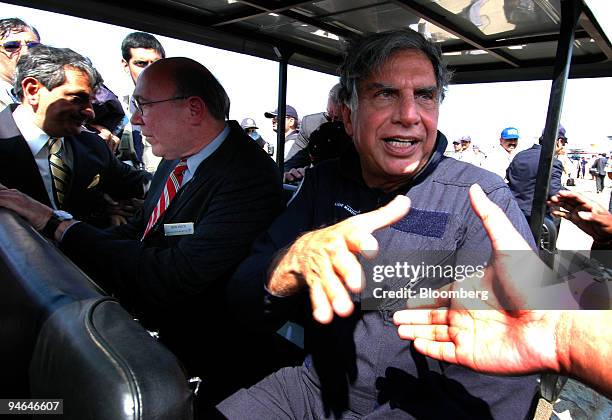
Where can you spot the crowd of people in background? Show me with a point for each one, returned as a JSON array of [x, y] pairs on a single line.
[[164, 201], [499, 159]]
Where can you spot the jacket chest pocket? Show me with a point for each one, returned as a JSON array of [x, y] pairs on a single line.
[[411, 257]]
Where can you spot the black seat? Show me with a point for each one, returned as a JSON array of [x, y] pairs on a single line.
[[105, 365], [63, 338]]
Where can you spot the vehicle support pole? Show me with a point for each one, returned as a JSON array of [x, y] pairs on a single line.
[[282, 102], [552, 384], [570, 12]]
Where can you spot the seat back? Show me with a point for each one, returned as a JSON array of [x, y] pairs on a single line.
[[63, 338], [105, 365]]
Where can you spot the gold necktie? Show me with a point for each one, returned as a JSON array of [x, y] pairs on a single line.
[[60, 172]]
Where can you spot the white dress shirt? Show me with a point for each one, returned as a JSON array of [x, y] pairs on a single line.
[[37, 141]]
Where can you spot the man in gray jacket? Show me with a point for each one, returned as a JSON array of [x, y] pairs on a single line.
[[311, 262], [294, 168]]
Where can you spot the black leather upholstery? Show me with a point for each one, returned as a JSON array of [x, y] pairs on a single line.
[[62, 338], [106, 366]]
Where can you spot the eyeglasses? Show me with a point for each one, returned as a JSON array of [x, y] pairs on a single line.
[[14, 46], [138, 104]]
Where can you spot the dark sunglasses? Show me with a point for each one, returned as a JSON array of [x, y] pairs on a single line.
[[13, 46]]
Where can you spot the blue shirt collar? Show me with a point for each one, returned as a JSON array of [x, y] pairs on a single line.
[[194, 161]]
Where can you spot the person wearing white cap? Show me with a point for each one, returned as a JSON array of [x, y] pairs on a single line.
[[467, 153], [250, 127]]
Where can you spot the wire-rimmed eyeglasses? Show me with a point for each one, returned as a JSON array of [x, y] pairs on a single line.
[[138, 103]]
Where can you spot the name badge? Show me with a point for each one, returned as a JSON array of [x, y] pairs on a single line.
[[175, 229]]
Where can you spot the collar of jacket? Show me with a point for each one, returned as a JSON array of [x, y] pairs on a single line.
[[350, 166]]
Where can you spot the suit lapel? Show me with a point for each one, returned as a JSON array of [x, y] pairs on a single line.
[[19, 169], [157, 186], [184, 194], [77, 174], [211, 165]]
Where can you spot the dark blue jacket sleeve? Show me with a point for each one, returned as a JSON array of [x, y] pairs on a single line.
[[247, 294], [555, 178]]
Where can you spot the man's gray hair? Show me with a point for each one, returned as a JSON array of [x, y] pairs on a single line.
[[47, 64], [9, 25], [334, 94], [367, 54], [193, 79]]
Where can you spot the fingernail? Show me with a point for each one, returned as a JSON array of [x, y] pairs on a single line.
[[354, 282], [321, 314], [342, 305], [370, 247]]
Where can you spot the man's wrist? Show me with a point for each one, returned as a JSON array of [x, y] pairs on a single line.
[[43, 225], [563, 338], [282, 285], [55, 219], [62, 228], [281, 281]]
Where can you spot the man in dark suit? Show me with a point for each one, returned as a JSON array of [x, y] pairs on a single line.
[[523, 170], [56, 87], [170, 263]]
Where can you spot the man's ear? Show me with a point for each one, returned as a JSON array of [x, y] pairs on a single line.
[[346, 119], [125, 64], [31, 88], [196, 109]]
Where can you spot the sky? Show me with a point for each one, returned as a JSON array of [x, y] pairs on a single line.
[[478, 110]]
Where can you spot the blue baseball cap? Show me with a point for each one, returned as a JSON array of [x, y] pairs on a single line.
[[560, 132], [289, 112], [510, 133]]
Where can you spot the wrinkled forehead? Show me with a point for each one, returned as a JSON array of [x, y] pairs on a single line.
[[76, 78], [155, 79], [377, 68]]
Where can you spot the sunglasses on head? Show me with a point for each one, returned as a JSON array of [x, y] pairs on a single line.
[[13, 46]]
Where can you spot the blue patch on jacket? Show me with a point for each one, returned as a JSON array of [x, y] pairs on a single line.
[[423, 222]]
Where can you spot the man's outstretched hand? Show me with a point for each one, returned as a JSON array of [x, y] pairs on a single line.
[[493, 340], [589, 216], [324, 260]]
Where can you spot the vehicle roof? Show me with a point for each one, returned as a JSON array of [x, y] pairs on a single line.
[[496, 40]]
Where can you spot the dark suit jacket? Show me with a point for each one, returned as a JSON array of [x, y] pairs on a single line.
[[299, 151], [521, 175], [176, 283], [91, 159]]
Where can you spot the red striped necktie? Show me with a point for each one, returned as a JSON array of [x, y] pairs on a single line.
[[172, 186]]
